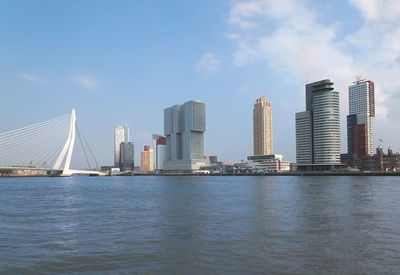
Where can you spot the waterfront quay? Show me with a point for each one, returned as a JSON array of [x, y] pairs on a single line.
[[297, 174], [24, 171], [327, 173], [43, 172]]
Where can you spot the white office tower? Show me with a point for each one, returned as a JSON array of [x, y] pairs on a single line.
[[360, 129], [184, 127], [304, 143], [161, 156], [161, 152], [121, 134]]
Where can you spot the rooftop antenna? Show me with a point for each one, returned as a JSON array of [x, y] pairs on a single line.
[[359, 79]]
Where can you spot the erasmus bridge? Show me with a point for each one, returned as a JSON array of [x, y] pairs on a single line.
[[46, 146]]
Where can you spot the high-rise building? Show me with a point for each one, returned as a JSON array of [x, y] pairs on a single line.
[[126, 133], [318, 128], [161, 152], [304, 139], [184, 127], [360, 133], [121, 134], [127, 154], [262, 127], [154, 138], [147, 160]]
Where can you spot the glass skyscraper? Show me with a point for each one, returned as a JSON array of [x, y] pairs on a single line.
[[127, 155], [121, 134], [318, 128]]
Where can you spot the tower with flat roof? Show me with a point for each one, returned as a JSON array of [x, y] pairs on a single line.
[[121, 134], [184, 127], [262, 127], [147, 159], [127, 155]]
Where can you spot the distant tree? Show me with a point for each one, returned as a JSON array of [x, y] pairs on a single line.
[[5, 172]]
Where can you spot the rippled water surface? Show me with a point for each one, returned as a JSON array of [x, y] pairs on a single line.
[[191, 225]]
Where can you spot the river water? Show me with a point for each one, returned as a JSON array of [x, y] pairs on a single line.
[[200, 225]]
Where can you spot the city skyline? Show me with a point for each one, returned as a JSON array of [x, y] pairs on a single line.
[[108, 71]]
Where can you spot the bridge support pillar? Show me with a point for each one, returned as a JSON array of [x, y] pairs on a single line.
[[67, 149]]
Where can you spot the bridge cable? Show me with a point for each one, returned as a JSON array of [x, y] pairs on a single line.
[[87, 144], [83, 147], [25, 147], [34, 144]]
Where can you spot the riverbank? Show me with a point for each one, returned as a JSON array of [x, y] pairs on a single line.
[[296, 174], [282, 174]]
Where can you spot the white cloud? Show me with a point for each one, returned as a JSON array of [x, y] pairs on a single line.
[[245, 13], [86, 81], [233, 36], [208, 64], [33, 78], [299, 44], [378, 10], [369, 8], [377, 45], [291, 37]]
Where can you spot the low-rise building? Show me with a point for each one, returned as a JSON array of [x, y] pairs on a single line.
[[213, 159], [269, 163], [257, 165], [379, 161]]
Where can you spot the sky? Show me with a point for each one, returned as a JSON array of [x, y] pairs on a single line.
[[123, 62]]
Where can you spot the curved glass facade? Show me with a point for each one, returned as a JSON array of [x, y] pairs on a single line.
[[326, 127], [318, 128]]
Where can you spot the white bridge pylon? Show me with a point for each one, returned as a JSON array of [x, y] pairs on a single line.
[[67, 149], [66, 152]]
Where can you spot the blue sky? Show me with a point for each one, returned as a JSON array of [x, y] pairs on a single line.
[[121, 62]]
